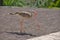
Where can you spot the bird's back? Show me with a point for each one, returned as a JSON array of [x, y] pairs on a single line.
[[23, 14]]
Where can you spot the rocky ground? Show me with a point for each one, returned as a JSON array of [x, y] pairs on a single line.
[[48, 19]]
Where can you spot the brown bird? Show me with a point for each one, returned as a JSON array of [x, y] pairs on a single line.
[[25, 15]]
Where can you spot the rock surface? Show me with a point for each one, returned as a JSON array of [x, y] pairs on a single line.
[[52, 36], [48, 20]]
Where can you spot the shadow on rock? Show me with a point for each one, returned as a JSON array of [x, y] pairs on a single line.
[[17, 33]]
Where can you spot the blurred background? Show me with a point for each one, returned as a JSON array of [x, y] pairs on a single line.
[[31, 3]]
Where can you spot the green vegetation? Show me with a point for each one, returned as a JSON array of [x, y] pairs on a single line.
[[20, 3], [33, 3]]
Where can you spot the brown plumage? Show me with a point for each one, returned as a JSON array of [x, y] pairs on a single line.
[[24, 15]]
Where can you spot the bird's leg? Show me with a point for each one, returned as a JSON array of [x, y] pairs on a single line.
[[37, 24], [35, 16], [21, 26]]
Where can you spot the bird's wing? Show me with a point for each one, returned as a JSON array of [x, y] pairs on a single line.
[[26, 13]]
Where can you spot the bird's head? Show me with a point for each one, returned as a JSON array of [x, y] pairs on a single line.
[[35, 13]]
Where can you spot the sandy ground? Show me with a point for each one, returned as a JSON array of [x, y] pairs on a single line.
[[49, 20]]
